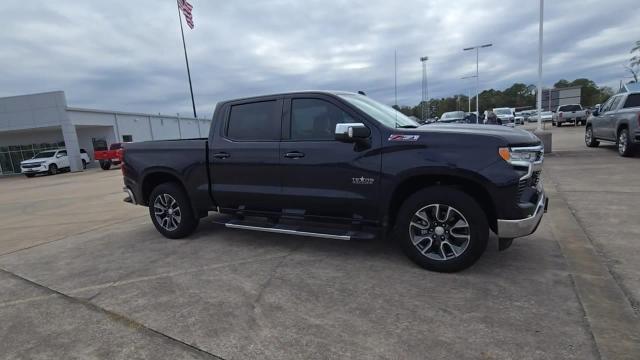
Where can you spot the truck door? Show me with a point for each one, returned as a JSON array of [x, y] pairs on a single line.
[[322, 177], [62, 159], [244, 155], [598, 123], [610, 118]]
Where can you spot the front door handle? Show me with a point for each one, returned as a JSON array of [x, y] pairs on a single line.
[[221, 155], [294, 155]]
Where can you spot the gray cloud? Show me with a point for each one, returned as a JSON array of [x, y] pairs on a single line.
[[128, 55]]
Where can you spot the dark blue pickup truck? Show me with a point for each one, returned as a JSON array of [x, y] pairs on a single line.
[[340, 165]]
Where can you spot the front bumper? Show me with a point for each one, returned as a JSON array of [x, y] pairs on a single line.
[[509, 229], [34, 170]]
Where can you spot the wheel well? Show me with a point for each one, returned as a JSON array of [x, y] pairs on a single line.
[[154, 179], [471, 188], [620, 127]]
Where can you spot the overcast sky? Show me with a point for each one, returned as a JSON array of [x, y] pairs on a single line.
[[127, 55]]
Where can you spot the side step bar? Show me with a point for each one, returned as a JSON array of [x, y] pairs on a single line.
[[279, 230], [300, 230]]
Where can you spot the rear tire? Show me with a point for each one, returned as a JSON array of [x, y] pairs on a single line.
[[105, 164], [442, 229], [171, 212], [53, 169], [589, 140]]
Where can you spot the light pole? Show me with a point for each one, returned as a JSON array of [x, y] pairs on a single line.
[[539, 97], [477, 49], [425, 89], [469, 92]]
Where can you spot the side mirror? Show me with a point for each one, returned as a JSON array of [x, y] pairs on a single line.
[[596, 112], [349, 132]]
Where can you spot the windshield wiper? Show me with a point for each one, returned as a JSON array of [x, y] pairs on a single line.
[[409, 126]]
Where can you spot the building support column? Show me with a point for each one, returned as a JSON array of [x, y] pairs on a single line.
[[69, 135]]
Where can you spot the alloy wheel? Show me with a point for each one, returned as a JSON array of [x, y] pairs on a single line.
[[588, 136], [167, 212], [440, 232], [622, 142]]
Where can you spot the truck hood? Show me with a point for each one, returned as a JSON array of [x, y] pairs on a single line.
[[510, 135], [31, 161]]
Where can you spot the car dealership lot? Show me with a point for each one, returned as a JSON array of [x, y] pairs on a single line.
[[86, 275]]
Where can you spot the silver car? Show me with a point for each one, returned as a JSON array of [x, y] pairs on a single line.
[[617, 120]]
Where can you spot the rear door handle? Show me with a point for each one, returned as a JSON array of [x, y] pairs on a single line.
[[221, 155], [294, 155]]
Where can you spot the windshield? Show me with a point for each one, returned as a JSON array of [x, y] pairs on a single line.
[[502, 111], [386, 115], [44, 155], [453, 115]]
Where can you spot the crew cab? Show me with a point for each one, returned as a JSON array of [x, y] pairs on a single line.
[[571, 113], [340, 165], [617, 120], [51, 162]]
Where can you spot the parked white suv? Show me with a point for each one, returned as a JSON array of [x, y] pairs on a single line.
[[50, 161]]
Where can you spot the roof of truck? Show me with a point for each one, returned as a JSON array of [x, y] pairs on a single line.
[[299, 92]]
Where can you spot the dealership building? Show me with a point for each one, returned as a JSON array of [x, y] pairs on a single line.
[[36, 122]]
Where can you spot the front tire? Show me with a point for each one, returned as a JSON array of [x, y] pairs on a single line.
[[53, 169], [84, 164], [625, 148], [171, 212], [442, 229], [589, 140]]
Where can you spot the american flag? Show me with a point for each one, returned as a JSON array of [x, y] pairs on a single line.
[[186, 10]]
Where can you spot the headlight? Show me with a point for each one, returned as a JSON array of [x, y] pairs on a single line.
[[521, 155]]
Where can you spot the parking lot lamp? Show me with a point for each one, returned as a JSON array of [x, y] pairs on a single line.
[[477, 49], [425, 88]]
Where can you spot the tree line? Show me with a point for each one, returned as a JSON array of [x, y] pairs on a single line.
[[518, 95]]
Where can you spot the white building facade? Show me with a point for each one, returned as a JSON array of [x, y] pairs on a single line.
[[36, 122]]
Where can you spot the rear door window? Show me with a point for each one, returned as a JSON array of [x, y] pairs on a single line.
[[633, 100], [258, 121]]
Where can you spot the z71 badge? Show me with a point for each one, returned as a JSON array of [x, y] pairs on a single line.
[[402, 137]]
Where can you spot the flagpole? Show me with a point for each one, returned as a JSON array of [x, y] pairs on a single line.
[[186, 59]]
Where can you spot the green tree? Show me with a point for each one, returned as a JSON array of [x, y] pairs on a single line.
[[562, 83], [634, 63]]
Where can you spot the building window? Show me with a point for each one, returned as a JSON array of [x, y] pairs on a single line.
[[127, 138]]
